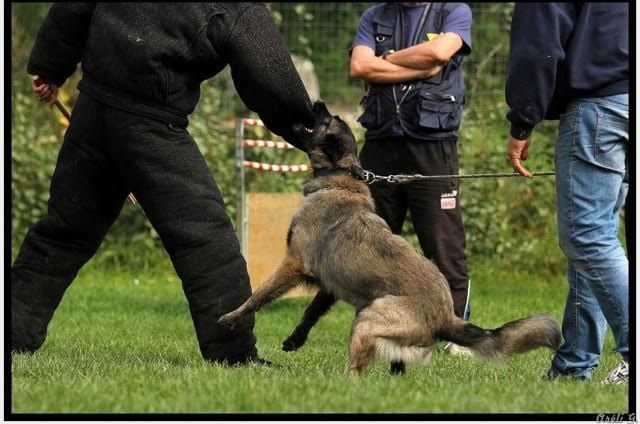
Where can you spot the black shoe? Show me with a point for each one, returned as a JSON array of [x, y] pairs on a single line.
[[554, 376], [248, 360], [23, 350]]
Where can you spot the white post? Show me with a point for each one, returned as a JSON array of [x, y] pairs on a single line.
[[241, 203]]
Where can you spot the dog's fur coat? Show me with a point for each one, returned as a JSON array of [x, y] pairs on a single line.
[[337, 243]]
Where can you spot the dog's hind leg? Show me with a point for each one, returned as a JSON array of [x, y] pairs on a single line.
[[318, 307], [287, 276], [388, 329], [362, 347]]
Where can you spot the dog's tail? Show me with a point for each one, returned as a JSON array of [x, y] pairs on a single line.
[[513, 337]]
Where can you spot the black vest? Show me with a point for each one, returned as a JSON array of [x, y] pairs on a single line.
[[429, 109]]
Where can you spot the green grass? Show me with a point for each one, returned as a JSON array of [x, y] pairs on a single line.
[[124, 343]]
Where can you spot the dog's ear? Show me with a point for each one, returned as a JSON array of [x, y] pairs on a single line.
[[320, 109]]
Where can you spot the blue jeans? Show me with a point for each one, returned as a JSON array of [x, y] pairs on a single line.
[[591, 186]]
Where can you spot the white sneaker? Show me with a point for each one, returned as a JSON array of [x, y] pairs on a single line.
[[619, 375], [457, 350]]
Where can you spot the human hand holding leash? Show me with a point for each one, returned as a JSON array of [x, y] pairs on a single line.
[[518, 150]]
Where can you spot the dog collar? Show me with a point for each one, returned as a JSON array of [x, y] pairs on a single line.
[[332, 172]]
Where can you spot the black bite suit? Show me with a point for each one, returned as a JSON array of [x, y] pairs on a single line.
[[142, 71]]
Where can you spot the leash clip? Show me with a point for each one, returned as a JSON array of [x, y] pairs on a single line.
[[369, 177]]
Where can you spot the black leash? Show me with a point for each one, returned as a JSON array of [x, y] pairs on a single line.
[[371, 178]]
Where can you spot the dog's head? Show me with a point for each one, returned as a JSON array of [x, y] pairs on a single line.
[[330, 144]]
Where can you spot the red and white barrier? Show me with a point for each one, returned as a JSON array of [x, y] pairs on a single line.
[[267, 143], [252, 122], [276, 168]]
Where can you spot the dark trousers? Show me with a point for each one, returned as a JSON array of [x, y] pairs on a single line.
[[106, 154], [434, 205]]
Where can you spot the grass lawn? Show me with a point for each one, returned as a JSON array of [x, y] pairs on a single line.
[[124, 343]]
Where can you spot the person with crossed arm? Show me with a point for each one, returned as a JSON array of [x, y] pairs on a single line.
[[410, 56]]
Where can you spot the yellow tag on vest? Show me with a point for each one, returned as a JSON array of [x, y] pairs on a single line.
[[431, 35]]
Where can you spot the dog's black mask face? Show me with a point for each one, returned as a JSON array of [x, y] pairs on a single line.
[[330, 144]]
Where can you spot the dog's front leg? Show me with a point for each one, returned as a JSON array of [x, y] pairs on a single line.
[[318, 307], [287, 276]]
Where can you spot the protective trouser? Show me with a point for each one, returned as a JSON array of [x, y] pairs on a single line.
[[106, 154], [433, 204]]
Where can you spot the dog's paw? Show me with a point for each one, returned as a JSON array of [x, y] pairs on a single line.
[[291, 344], [228, 320]]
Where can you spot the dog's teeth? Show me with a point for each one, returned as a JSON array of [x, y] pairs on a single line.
[[309, 131]]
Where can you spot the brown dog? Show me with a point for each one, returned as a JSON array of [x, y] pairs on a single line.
[[338, 244]]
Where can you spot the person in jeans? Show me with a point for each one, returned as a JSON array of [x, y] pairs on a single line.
[[142, 65], [410, 57], [571, 61]]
